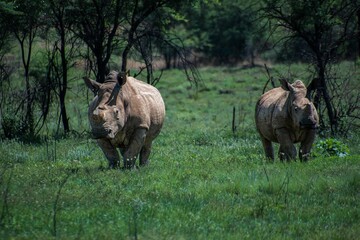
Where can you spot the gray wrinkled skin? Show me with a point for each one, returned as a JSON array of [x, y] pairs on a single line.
[[125, 114], [284, 115]]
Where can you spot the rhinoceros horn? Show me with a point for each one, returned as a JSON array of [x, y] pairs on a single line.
[[121, 77]]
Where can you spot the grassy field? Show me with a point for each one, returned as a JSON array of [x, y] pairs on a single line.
[[204, 181]]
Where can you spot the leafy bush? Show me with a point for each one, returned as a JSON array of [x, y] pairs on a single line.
[[331, 147], [13, 127]]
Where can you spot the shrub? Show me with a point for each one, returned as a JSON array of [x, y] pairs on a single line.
[[331, 147], [12, 126]]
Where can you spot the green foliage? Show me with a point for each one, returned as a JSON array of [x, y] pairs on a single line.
[[7, 7], [331, 147], [12, 127], [225, 31], [327, 21]]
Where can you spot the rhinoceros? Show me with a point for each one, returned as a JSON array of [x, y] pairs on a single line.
[[127, 114], [284, 115]]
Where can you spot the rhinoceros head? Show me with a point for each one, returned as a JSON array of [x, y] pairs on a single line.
[[106, 112], [302, 111]]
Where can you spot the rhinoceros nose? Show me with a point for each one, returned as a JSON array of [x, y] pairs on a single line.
[[96, 118], [111, 134], [97, 115]]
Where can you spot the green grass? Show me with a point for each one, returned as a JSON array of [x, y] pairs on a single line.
[[203, 181]]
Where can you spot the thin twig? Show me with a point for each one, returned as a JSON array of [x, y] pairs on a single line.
[[270, 79], [57, 197]]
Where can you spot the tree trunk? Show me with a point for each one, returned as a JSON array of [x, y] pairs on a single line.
[[167, 58], [321, 87], [125, 54], [329, 107], [58, 11], [252, 57], [101, 65], [358, 30], [29, 118], [63, 113], [63, 86]]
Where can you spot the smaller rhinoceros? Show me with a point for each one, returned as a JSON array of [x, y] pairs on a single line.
[[127, 114], [284, 115]]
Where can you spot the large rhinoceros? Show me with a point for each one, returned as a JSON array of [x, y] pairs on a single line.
[[284, 115], [127, 114]]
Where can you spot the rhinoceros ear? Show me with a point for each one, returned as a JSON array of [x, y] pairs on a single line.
[[286, 85], [300, 87], [92, 85], [122, 77]]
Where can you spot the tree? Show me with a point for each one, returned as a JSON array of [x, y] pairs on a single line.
[[146, 30], [64, 49], [358, 30], [96, 23], [226, 31], [5, 33], [24, 27], [324, 25], [135, 29], [130, 26]]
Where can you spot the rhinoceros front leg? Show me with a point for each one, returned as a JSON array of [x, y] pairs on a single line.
[[268, 148], [133, 150], [287, 149], [306, 144], [110, 152]]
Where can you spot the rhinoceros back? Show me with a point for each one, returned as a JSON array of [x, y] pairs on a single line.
[[271, 112], [147, 107]]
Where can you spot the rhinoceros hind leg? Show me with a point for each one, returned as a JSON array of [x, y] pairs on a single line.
[[268, 148]]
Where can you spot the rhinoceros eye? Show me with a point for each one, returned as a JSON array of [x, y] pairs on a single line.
[[296, 108]]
